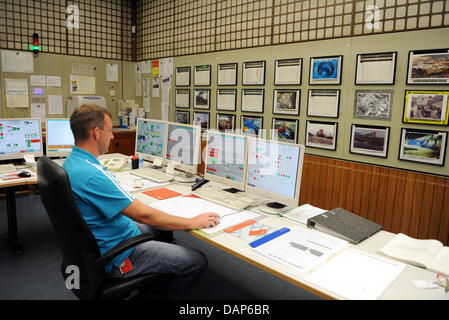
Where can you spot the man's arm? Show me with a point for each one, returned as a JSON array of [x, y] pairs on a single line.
[[161, 220]]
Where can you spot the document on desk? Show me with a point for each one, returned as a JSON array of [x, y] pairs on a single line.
[[302, 249], [358, 275], [128, 181], [189, 206], [231, 220]]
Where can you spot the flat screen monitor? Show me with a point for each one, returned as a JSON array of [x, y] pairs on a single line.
[[183, 149], [19, 137], [226, 159], [274, 172], [151, 137], [60, 138]]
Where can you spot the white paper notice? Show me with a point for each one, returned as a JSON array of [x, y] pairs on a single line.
[[38, 81], [55, 104], [146, 95], [16, 93], [138, 79], [111, 72], [82, 85], [38, 111], [17, 61], [231, 220], [146, 66], [357, 275], [53, 81], [155, 86]]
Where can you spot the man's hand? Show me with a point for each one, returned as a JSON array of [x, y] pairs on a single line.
[[204, 220]]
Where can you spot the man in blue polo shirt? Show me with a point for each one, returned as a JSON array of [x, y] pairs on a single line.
[[114, 215]]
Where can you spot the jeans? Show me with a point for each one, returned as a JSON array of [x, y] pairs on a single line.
[[187, 264]]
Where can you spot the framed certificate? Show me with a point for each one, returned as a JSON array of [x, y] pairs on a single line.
[[226, 99], [375, 68], [182, 98], [252, 100], [323, 103]]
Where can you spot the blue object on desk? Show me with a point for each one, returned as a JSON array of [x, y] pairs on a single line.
[[269, 237]]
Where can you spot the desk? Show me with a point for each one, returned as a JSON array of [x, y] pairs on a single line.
[[11, 187], [401, 288]]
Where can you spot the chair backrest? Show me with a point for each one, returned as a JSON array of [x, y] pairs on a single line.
[[78, 245]]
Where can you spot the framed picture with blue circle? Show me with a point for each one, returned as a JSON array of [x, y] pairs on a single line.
[[325, 70]]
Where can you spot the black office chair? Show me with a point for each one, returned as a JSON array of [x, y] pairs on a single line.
[[78, 245]]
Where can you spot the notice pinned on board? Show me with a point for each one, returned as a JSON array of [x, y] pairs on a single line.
[[17, 61], [16, 93], [111, 72], [82, 85]]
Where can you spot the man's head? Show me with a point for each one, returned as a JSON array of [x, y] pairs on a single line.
[[92, 128]]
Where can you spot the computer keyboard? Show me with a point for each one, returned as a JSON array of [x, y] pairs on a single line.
[[6, 168], [231, 200], [152, 174]]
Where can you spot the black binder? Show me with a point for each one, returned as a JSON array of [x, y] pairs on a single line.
[[344, 224]]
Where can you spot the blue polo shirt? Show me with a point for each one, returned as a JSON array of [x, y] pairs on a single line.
[[100, 199]]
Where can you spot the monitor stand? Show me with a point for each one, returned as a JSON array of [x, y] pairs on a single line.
[[232, 190], [272, 207], [185, 177]]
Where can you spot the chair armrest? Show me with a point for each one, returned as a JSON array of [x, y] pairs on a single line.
[[122, 247]]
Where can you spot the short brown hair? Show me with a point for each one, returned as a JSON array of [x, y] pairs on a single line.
[[86, 117]]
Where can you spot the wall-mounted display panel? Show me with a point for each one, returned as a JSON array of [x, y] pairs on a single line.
[[288, 71], [253, 73], [375, 68], [227, 74], [323, 103], [182, 76]]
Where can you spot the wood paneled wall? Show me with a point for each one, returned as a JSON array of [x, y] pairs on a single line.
[[403, 201]]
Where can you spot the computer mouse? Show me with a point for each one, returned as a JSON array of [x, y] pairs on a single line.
[[24, 174]]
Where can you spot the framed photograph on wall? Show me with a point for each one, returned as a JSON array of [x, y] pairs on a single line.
[[182, 98], [182, 76], [325, 70], [201, 99], [323, 103], [227, 74], [288, 71], [225, 122], [253, 73], [253, 100], [284, 130], [226, 99], [426, 107], [182, 116], [201, 119], [375, 68], [250, 125], [369, 140], [286, 101], [373, 104], [202, 75], [424, 146], [321, 135], [428, 67]]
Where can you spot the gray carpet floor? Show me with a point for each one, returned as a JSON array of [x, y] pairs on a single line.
[[35, 275]]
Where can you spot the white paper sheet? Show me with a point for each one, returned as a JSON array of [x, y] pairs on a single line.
[[155, 88], [53, 81], [146, 95], [354, 274], [112, 72], [16, 91], [38, 81], [17, 61], [302, 249], [82, 85], [138, 79], [189, 207], [55, 104], [38, 111]]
